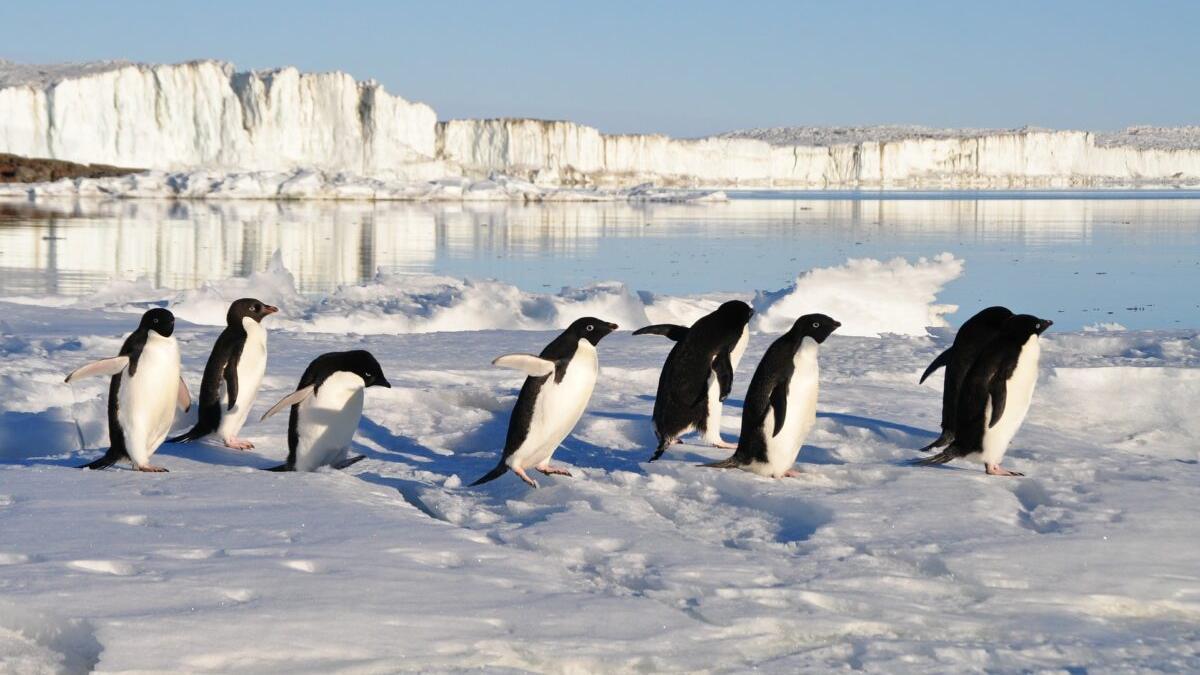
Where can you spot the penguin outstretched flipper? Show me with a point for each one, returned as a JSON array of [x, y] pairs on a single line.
[[492, 475], [943, 359], [668, 330]]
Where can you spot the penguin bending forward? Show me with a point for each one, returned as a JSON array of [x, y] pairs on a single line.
[[237, 364], [781, 404], [968, 342], [698, 374], [326, 408], [559, 384], [144, 391], [995, 395]]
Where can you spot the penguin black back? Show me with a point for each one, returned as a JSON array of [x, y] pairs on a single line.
[[705, 349], [969, 341]]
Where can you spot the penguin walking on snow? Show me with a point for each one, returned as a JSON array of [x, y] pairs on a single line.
[[144, 391], [326, 408], [558, 387], [968, 343], [234, 370], [995, 395], [781, 404], [698, 374]]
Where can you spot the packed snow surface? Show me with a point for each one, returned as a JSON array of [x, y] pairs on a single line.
[[1089, 563], [207, 116]]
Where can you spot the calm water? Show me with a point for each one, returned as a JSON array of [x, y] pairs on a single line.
[[1080, 258]]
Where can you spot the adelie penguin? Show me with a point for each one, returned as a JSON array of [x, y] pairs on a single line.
[[144, 391], [995, 395], [326, 408], [698, 374], [234, 372], [968, 343], [558, 387], [781, 404]]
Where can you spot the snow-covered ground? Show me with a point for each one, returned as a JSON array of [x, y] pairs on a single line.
[[1090, 564]]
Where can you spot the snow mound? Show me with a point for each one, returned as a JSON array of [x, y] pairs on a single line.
[[870, 297]]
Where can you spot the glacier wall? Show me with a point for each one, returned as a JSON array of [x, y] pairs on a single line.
[[207, 116]]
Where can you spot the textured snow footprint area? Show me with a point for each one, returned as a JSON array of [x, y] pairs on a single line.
[[114, 567], [44, 642]]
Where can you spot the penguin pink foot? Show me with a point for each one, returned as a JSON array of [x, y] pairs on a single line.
[[150, 468], [724, 444], [238, 444], [792, 473], [997, 470], [553, 470], [523, 476]]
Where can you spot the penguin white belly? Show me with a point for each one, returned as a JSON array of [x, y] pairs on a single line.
[[326, 423], [252, 365], [558, 408], [799, 417], [1018, 396], [147, 400], [712, 425]]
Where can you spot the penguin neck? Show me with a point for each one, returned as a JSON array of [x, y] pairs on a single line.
[[251, 327]]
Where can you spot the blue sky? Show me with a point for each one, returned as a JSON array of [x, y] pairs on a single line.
[[684, 68]]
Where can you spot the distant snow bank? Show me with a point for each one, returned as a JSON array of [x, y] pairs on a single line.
[[205, 115], [312, 184]]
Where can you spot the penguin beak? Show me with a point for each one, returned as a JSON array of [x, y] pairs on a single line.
[[382, 382], [613, 326], [1046, 323], [269, 309], [837, 325]]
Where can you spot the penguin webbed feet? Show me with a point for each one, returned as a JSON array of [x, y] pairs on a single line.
[[997, 470], [150, 468], [553, 471], [525, 477]]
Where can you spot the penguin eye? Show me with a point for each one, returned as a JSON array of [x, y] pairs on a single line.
[[155, 320], [253, 308], [816, 324], [590, 328]]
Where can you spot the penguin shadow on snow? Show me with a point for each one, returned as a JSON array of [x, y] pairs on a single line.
[[28, 439]]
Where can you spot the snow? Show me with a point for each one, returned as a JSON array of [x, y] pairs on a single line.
[[1089, 563], [286, 134]]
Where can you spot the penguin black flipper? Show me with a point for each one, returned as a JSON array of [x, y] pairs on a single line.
[[998, 391], [723, 367], [231, 370], [779, 405], [669, 330], [943, 359]]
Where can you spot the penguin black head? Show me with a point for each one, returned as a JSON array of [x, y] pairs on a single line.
[[363, 363], [248, 308], [993, 316], [816, 326], [735, 311], [1024, 325], [591, 329], [159, 320]]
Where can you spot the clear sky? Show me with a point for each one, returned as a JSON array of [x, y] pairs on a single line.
[[684, 68]]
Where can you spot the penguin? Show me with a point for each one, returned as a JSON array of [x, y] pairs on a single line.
[[559, 384], [698, 374], [995, 395], [781, 404], [968, 342], [326, 408], [235, 368], [145, 389]]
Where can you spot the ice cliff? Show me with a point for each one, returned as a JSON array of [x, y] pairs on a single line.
[[207, 116]]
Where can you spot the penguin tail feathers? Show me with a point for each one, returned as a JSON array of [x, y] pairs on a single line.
[[731, 463], [942, 441], [103, 463], [281, 467], [937, 460], [492, 475], [210, 419]]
